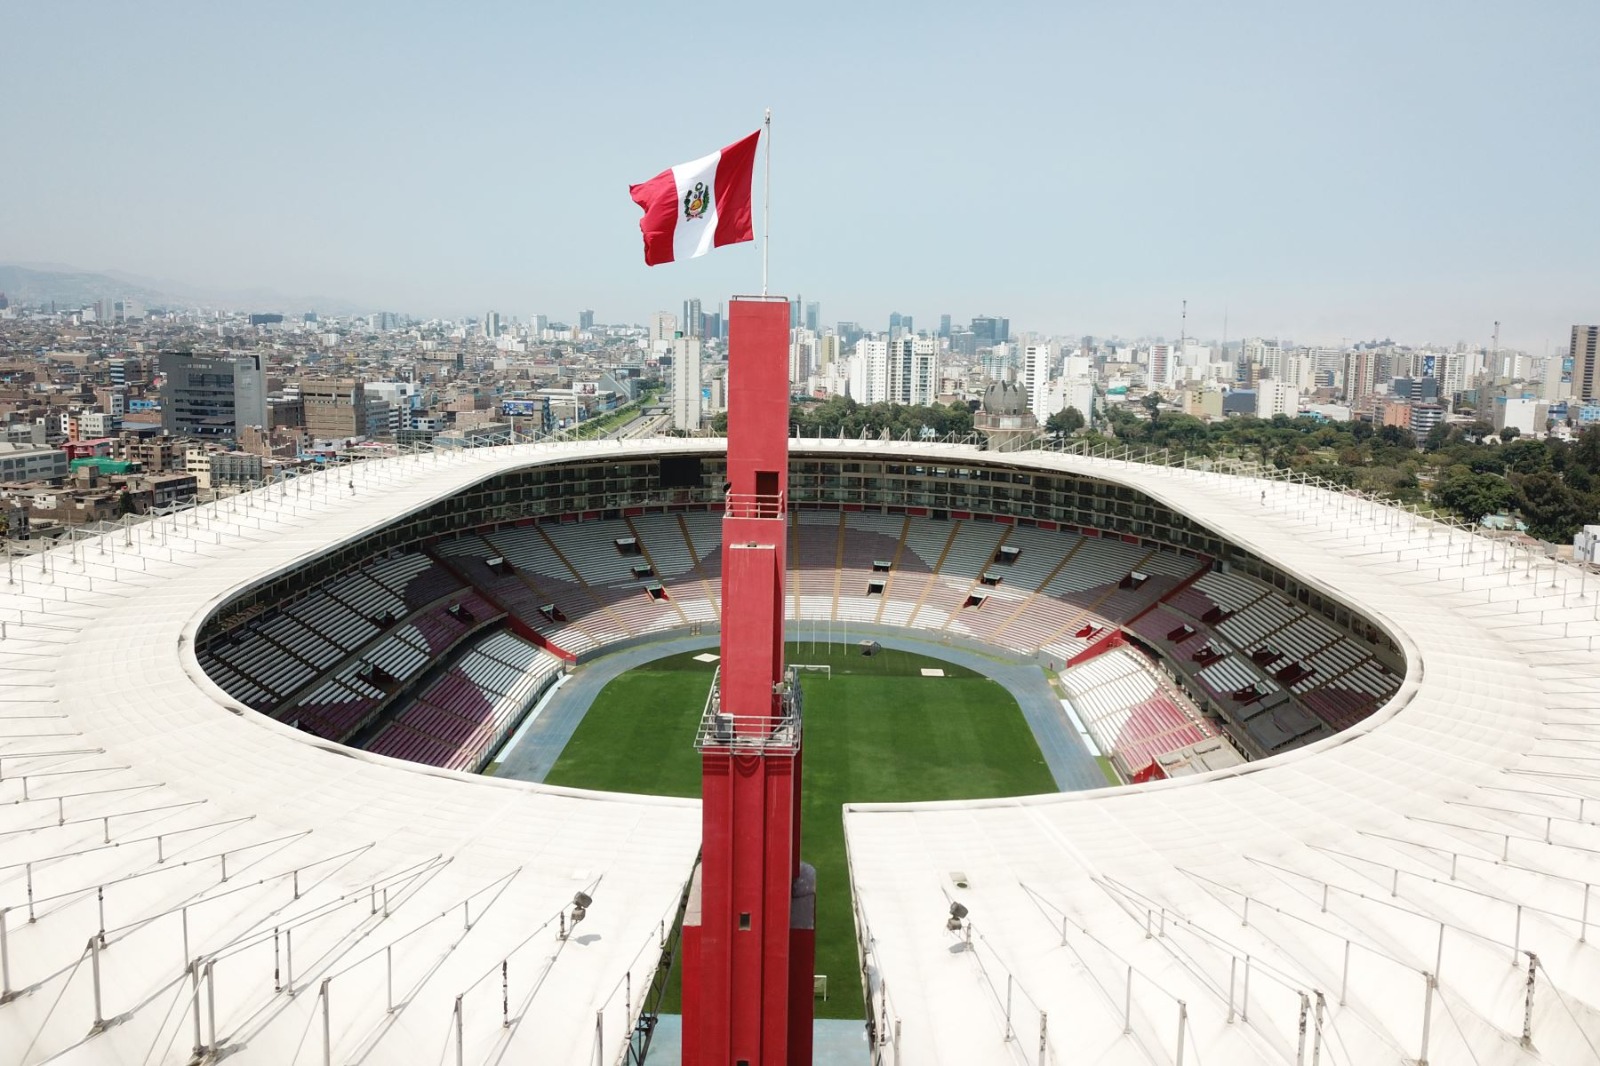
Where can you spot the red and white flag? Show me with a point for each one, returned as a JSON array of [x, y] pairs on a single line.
[[694, 207]]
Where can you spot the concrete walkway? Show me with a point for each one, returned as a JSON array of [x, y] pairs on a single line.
[[834, 1042], [531, 755]]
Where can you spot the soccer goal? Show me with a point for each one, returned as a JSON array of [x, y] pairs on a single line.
[[822, 668]]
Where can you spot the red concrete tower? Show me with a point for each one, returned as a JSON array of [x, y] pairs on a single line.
[[749, 932]]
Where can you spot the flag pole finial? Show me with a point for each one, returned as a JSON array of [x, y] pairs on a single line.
[[766, 196]]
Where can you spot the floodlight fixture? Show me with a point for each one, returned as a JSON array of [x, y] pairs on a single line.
[[581, 902]]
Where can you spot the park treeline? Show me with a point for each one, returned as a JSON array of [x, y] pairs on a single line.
[[1552, 485]]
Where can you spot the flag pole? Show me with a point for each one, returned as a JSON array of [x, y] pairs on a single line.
[[766, 197]]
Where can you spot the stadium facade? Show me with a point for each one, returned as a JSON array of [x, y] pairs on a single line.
[[185, 877]]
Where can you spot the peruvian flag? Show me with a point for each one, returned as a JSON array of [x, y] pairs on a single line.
[[695, 207]]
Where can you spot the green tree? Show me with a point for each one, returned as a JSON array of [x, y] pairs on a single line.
[[1527, 456], [1438, 437], [1551, 510], [1472, 495], [1065, 422], [1509, 434], [1397, 437]]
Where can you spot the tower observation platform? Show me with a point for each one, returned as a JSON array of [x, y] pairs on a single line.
[[780, 733]]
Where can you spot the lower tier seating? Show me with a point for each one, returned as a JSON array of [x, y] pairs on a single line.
[[1132, 716], [338, 659]]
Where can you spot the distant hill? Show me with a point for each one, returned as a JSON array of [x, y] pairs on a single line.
[[71, 288], [42, 283]]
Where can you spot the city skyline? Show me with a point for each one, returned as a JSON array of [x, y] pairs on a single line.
[[885, 325], [1366, 174]]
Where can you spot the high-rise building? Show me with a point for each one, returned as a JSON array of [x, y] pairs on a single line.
[[1265, 354], [827, 350], [802, 357], [896, 324], [585, 320], [903, 370], [1160, 369], [796, 313], [814, 317], [1300, 370], [989, 331], [1585, 362], [212, 395], [944, 325], [918, 380], [1038, 364], [663, 328], [869, 371], [685, 382], [1360, 375], [693, 323], [491, 324]]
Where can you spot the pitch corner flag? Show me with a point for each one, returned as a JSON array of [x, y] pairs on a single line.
[[694, 207]]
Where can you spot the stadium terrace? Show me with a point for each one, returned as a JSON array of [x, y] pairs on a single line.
[[196, 865]]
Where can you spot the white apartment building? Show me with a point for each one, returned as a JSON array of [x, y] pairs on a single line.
[[1526, 415], [1300, 371], [904, 370], [403, 397], [869, 371], [1038, 366], [1159, 370], [663, 324], [1063, 393], [686, 383], [1274, 397], [914, 371], [802, 356], [1268, 355]]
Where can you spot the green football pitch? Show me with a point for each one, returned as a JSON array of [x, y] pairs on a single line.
[[876, 731]]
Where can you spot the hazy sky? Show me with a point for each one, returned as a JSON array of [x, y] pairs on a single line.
[[1353, 169]]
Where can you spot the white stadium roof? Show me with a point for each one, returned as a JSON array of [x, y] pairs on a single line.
[[1448, 834], [115, 734]]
